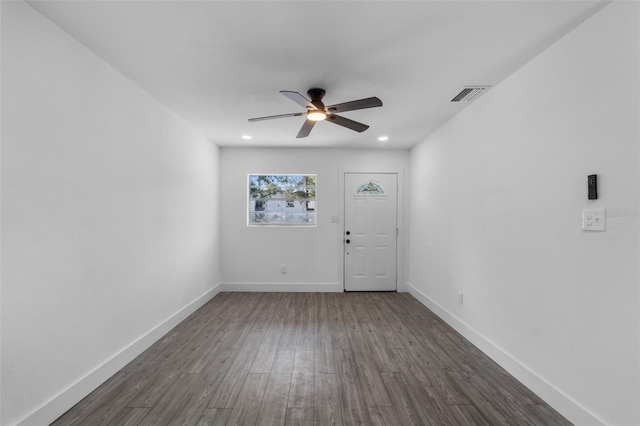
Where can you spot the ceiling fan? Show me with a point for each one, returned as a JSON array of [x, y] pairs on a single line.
[[317, 111]]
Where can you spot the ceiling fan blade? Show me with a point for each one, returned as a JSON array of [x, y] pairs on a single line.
[[305, 129], [345, 122], [271, 117], [298, 98], [353, 105]]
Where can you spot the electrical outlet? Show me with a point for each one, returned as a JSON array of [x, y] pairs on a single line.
[[283, 269], [593, 219]]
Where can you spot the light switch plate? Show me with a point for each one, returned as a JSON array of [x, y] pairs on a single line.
[[593, 219]]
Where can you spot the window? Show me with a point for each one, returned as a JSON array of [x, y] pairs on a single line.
[[282, 200], [371, 188]]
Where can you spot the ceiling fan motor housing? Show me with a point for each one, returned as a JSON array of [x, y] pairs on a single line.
[[316, 96]]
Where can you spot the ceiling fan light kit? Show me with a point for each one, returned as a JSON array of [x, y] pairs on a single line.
[[317, 111], [316, 115]]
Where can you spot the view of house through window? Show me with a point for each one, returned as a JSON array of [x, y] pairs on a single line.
[[282, 200]]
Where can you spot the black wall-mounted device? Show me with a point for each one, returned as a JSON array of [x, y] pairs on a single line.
[[592, 185]]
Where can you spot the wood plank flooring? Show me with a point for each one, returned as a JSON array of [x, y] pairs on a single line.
[[312, 359]]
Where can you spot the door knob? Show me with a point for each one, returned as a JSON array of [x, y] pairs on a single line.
[[348, 232], [347, 241]]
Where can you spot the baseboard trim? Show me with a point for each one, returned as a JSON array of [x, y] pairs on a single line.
[[66, 399], [564, 404], [284, 287]]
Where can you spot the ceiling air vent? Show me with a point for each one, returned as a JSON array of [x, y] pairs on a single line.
[[468, 93]]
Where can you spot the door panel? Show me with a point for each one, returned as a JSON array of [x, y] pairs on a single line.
[[359, 259], [370, 231], [381, 261]]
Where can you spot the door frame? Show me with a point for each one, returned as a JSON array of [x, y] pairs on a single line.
[[400, 217]]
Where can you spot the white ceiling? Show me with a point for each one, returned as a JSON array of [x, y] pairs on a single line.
[[217, 63]]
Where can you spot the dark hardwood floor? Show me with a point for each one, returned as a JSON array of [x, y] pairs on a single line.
[[312, 359]]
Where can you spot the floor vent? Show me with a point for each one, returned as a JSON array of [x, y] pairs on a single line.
[[468, 93]]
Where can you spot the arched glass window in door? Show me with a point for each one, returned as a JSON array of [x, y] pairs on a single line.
[[370, 188]]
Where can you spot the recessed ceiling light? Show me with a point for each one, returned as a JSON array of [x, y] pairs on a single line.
[[383, 138], [246, 137]]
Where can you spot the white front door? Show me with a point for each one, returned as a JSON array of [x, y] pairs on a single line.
[[370, 231]]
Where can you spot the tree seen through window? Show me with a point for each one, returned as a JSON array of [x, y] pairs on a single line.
[[282, 200]]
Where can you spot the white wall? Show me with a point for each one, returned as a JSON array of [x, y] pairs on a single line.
[[498, 194], [252, 256], [109, 219]]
